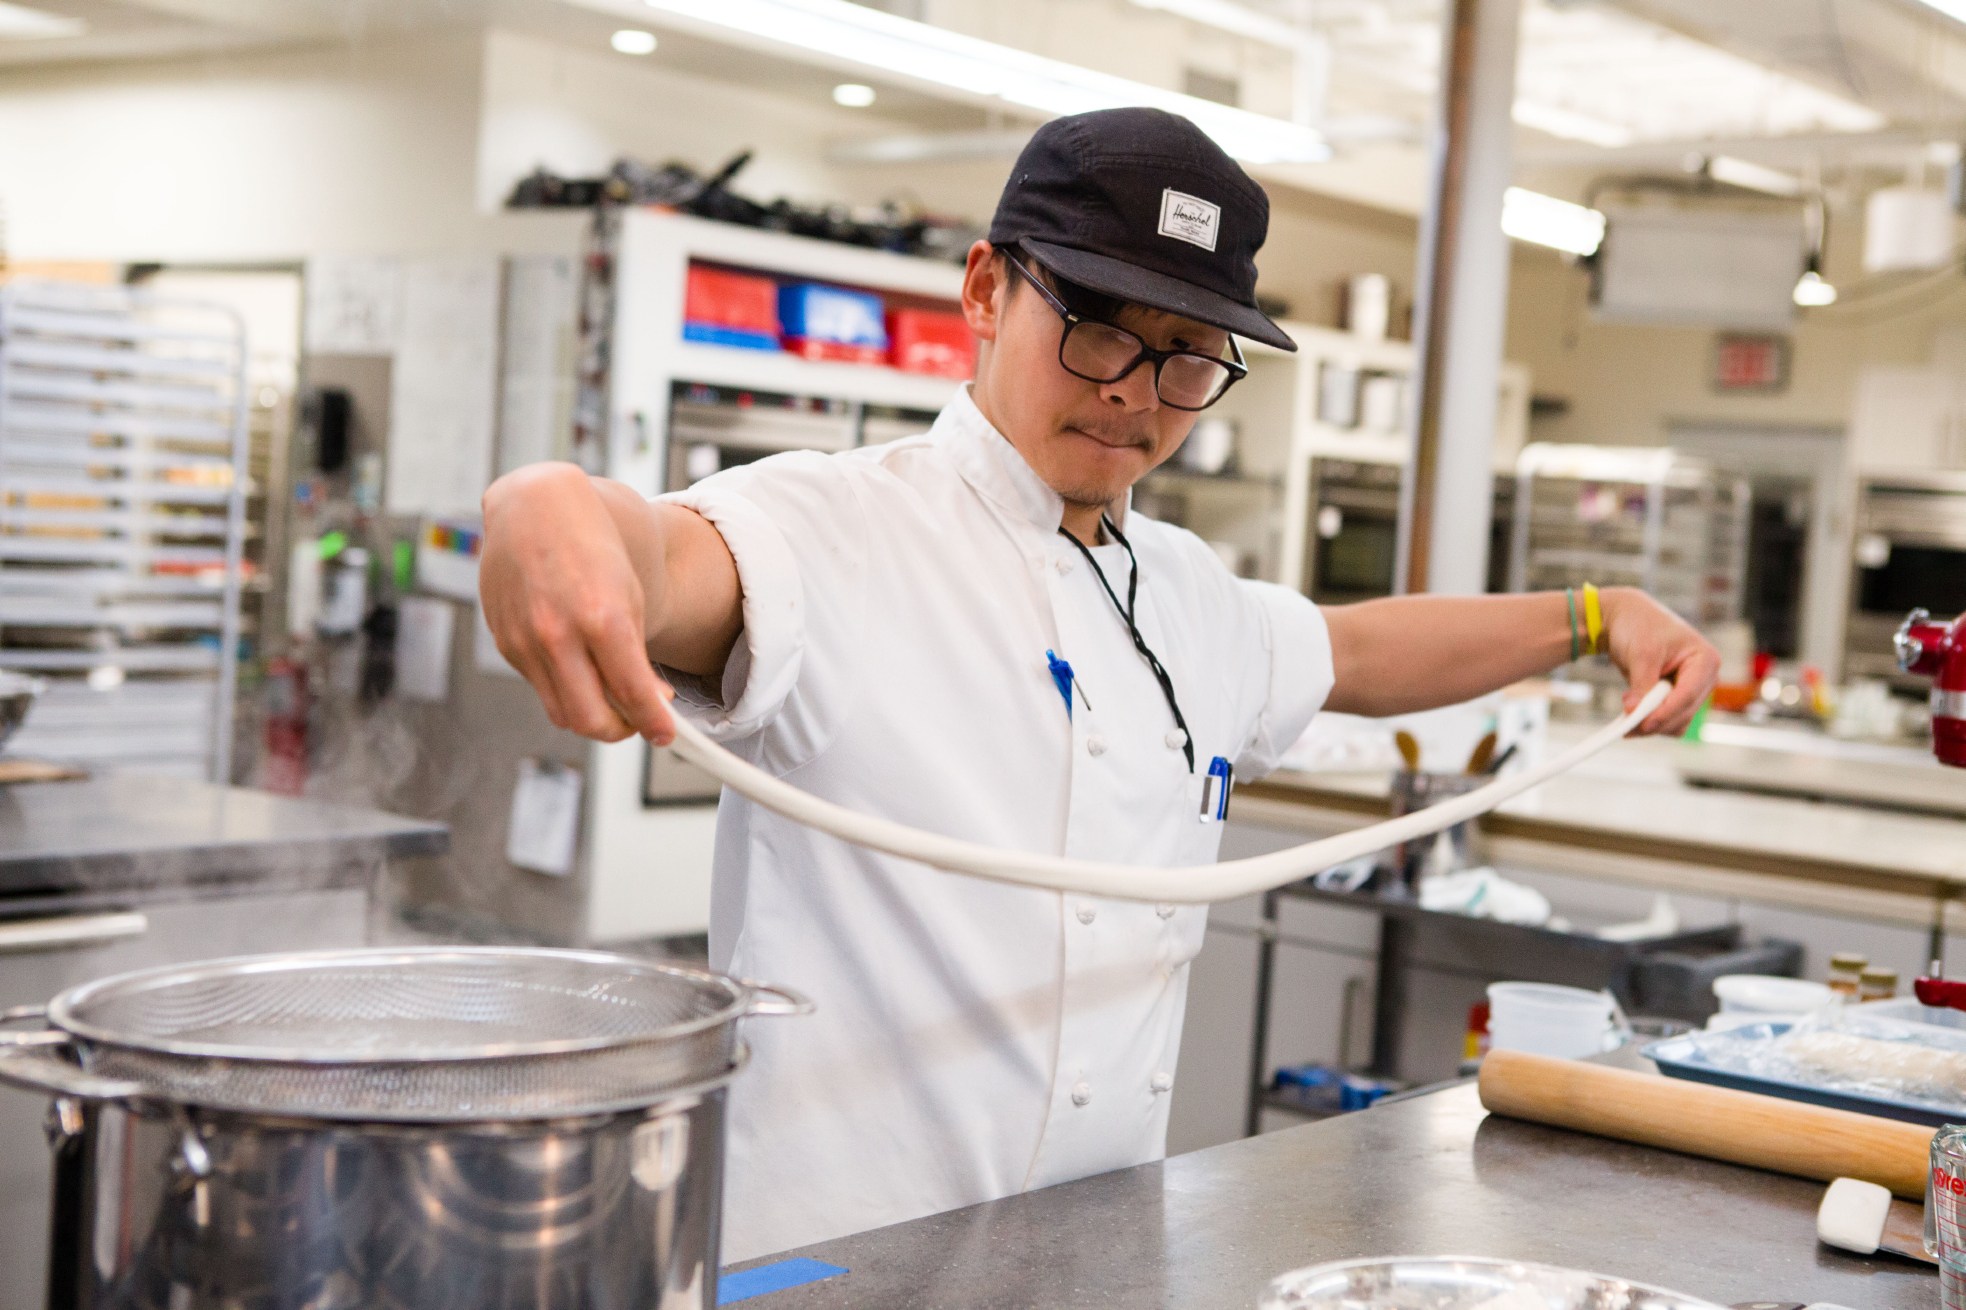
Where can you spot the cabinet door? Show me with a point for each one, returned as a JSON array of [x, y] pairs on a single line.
[[1902, 419]]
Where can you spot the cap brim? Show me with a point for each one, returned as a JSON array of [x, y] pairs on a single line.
[[1140, 286]]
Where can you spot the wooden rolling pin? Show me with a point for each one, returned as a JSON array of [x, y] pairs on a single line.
[[1719, 1123]]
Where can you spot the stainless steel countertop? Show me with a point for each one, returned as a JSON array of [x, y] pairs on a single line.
[[120, 837], [1428, 1175]]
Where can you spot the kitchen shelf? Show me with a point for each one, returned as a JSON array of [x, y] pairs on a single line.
[[774, 370], [123, 455], [1655, 518], [29, 612], [130, 659]]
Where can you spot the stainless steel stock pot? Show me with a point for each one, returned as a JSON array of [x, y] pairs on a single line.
[[435, 1127]]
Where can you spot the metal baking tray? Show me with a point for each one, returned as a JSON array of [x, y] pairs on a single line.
[[1686, 1057]]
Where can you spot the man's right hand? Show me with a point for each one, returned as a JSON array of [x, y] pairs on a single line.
[[578, 574]]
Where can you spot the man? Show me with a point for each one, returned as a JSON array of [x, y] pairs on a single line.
[[968, 632]]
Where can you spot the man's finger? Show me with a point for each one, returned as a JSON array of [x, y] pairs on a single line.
[[534, 670], [1673, 709], [582, 698], [1692, 679], [1644, 670], [633, 688]]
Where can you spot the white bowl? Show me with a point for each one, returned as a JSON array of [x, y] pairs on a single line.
[[1451, 1283]]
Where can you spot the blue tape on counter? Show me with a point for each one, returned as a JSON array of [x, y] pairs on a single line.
[[747, 1283]]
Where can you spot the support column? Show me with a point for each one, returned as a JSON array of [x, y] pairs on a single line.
[[1462, 290]]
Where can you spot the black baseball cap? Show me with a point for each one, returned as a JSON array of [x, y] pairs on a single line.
[[1140, 205]]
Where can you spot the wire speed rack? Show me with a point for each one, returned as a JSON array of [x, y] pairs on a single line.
[[122, 523]]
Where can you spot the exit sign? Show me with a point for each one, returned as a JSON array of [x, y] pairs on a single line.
[[1750, 362]]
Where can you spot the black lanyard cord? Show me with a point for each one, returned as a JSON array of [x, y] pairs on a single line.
[[1133, 629]]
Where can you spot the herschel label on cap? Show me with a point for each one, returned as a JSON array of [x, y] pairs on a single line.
[[1189, 218]]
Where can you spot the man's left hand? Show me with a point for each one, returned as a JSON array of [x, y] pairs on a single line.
[[1647, 642]]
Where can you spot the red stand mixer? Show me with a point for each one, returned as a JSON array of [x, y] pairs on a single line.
[[1938, 651]]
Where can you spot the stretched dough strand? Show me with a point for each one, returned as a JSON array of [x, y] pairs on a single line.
[[1193, 885]]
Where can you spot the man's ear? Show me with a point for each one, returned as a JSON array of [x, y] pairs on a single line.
[[985, 288]]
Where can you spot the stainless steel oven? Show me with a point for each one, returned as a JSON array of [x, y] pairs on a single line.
[[715, 428], [1909, 552], [1355, 531]]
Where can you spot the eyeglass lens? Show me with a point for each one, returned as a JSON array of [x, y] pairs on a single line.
[[1099, 352]]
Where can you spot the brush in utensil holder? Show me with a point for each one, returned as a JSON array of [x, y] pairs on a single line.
[[1412, 791]]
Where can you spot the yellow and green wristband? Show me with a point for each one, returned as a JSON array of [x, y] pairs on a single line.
[[1589, 638]]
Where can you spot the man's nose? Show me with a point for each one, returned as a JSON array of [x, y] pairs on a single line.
[[1134, 392]]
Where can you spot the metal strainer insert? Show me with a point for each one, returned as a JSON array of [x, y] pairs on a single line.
[[422, 1034]]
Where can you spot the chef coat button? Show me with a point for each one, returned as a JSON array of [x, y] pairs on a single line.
[[1087, 914], [1062, 564], [1163, 1082], [1095, 745], [1164, 910], [1081, 1093], [1175, 739]]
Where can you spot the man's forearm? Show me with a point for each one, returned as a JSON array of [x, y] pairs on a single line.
[[694, 604], [1410, 653]]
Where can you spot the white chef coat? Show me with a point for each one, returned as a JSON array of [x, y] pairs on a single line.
[[972, 1039]]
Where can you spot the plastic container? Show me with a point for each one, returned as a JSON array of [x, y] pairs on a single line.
[[931, 341], [710, 335], [1846, 969], [1766, 994], [822, 322], [1877, 984], [838, 352], [1908, 1009], [727, 308], [1545, 1019]]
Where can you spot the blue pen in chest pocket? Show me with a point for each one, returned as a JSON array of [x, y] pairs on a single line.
[[1215, 790], [1065, 680]]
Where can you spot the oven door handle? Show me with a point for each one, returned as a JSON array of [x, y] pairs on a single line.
[[59, 932]]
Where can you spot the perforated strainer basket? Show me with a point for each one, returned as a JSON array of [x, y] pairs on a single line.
[[439, 1034]]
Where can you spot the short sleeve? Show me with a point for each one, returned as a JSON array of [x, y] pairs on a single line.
[[1297, 646], [793, 527]]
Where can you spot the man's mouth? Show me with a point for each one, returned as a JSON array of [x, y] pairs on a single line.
[[1112, 441]]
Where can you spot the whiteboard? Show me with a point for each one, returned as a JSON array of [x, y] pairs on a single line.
[[354, 304], [442, 387], [535, 401]]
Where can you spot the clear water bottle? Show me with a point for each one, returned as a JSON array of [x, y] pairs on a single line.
[[1945, 1213]]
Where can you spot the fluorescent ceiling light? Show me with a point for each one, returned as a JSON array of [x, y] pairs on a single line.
[[1812, 292], [1227, 16], [851, 36], [19, 23], [1546, 221], [1660, 85], [1753, 176], [854, 95], [633, 41], [1571, 125]]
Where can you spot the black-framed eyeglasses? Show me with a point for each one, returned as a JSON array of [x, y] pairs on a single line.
[[1102, 352]]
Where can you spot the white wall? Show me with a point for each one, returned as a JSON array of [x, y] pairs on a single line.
[[252, 156]]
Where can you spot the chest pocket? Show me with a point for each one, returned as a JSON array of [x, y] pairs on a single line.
[[1190, 842]]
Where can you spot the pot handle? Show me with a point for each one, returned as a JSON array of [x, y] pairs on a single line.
[[27, 1066], [770, 1001], [22, 1014]]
